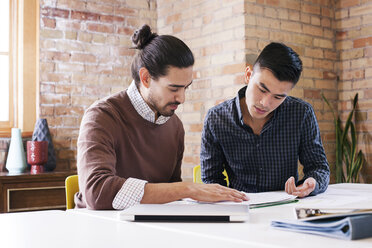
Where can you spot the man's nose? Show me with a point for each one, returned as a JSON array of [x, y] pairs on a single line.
[[180, 96], [265, 101]]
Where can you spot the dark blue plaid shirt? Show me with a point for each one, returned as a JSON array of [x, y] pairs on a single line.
[[257, 163]]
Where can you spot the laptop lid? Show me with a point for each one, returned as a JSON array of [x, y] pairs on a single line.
[[187, 212]]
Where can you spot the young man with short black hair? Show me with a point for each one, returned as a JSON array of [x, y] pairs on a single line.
[[260, 135]]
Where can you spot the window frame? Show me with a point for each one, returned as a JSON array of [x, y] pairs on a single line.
[[23, 67]]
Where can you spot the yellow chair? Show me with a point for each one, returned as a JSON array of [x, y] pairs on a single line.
[[72, 186], [197, 175]]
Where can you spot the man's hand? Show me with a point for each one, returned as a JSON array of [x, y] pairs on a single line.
[[215, 193], [302, 190]]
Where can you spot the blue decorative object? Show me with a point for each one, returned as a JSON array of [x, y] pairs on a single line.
[[16, 160], [41, 133]]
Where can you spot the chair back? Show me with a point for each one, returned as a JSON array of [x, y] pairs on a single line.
[[197, 175], [72, 186]]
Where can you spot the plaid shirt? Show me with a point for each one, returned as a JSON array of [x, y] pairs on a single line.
[[257, 163]]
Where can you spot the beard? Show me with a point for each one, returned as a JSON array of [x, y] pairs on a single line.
[[165, 110]]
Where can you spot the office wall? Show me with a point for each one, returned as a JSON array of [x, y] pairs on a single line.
[[84, 56], [225, 35], [353, 26]]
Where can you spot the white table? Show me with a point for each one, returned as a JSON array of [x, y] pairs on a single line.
[[85, 228]]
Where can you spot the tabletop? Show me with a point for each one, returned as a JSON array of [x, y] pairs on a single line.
[[88, 228]]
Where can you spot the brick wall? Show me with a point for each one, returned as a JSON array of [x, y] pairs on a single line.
[[353, 25], [225, 35], [84, 56], [215, 32]]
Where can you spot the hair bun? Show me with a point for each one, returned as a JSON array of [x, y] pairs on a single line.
[[143, 36]]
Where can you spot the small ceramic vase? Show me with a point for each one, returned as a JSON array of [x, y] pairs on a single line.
[[16, 160], [37, 155]]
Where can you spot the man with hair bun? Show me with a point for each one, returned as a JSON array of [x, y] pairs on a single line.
[[131, 145], [259, 136]]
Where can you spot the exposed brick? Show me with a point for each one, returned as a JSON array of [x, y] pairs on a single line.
[[294, 15], [68, 25], [291, 26], [85, 37], [71, 35], [347, 3], [73, 5], [363, 42], [329, 75], [99, 38], [361, 10], [47, 110], [234, 68], [125, 30], [100, 28], [328, 12], [47, 88], [173, 18], [84, 16], [55, 12], [323, 43], [341, 35], [313, 94], [348, 23], [100, 8], [54, 77], [51, 34], [69, 67], [311, 9], [315, 53], [69, 111], [55, 56], [49, 23], [309, 29], [54, 99], [125, 11]]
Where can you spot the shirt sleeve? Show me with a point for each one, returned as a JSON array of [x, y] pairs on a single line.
[[130, 194], [212, 158], [312, 155]]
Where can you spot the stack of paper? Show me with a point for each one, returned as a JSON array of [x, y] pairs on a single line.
[[265, 199]]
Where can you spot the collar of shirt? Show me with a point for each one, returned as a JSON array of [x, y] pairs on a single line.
[[142, 107], [241, 94]]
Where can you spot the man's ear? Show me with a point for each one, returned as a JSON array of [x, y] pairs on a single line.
[[144, 77], [248, 73]]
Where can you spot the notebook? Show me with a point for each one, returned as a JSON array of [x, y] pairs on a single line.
[[182, 211]]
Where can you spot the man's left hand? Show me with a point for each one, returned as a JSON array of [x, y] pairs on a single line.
[[302, 190]]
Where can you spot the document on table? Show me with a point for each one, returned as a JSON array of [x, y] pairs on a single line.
[[336, 198], [264, 199]]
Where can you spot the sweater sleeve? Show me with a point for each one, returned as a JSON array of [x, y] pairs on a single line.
[[96, 159]]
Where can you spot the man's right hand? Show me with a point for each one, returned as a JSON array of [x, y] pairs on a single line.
[[215, 193], [156, 193]]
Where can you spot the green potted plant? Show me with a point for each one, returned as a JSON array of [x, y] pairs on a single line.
[[349, 162]]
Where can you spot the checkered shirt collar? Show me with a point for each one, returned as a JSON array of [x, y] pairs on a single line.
[[142, 107]]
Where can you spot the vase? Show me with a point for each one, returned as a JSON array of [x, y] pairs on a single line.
[[37, 155], [41, 133], [16, 160]]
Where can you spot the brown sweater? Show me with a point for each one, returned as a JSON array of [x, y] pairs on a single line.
[[116, 143]]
